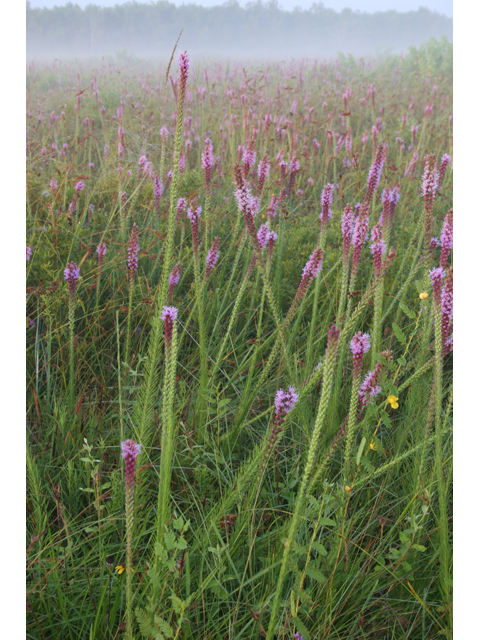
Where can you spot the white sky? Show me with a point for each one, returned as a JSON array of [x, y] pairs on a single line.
[[441, 6]]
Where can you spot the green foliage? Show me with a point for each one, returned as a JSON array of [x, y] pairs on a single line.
[[351, 552]]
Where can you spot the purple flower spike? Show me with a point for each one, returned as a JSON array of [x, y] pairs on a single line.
[[445, 161], [132, 254], [79, 187], [29, 253], [359, 346], [436, 276], [369, 388], [193, 214], [285, 401], [348, 225], [72, 274], [173, 279], [375, 172], [327, 198], [263, 170], [130, 451], [446, 238], [447, 314], [212, 256], [208, 161], [101, 250], [157, 190], [169, 315]]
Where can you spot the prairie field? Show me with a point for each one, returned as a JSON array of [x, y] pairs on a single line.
[[239, 316]]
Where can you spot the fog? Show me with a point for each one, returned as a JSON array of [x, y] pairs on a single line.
[[257, 30]]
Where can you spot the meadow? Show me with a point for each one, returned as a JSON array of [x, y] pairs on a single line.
[[239, 306]]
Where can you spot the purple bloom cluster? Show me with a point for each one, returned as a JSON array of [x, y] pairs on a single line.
[[181, 206], [208, 160], [359, 346], [447, 313], [436, 276], [248, 158], [446, 238], [445, 161], [130, 451], [390, 198], [348, 225], [294, 167], [266, 237], [369, 387], [173, 279], [184, 64], [434, 243], [132, 254], [157, 189], [284, 403], [375, 172], [101, 250], [212, 256], [168, 315], [262, 173], [72, 274], [327, 198], [29, 253], [359, 236], [313, 266], [80, 186], [193, 214]]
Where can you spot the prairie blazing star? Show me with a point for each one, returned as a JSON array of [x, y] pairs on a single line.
[[327, 198], [130, 451], [369, 388], [72, 274], [181, 206], [79, 187], [212, 256], [173, 279], [169, 315], [262, 173], [434, 243], [436, 276], [348, 225], [375, 172], [208, 161], [447, 313], [193, 214], [132, 254], [359, 346], [29, 253], [446, 238], [445, 161], [294, 167], [390, 199], [157, 190], [285, 401]]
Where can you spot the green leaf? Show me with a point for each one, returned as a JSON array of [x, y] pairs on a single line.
[[315, 574], [399, 333], [360, 450], [407, 311], [170, 540], [419, 547], [386, 419], [164, 627], [402, 361], [320, 548], [328, 522], [302, 628]]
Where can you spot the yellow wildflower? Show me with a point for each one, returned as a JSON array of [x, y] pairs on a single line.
[[348, 489], [372, 446], [423, 295], [393, 400], [120, 569]]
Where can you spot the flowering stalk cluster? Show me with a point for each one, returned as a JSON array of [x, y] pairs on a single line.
[[262, 173], [207, 161], [390, 198], [173, 280], [429, 189], [446, 239], [375, 173], [447, 314], [72, 274], [193, 214], [327, 198], [212, 257], [168, 315], [377, 248], [157, 191], [369, 388], [130, 452], [444, 162], [309, 273], [359, 346], [29, 253], [294, 168], [284, 403], [133, 248], [247, 205], [248, 157]]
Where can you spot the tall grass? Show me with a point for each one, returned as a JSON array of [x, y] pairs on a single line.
[[334, 523]]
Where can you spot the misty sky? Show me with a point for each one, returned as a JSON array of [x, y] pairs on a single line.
[[441, 6]]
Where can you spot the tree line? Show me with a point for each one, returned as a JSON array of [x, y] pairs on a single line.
[[257, 29]]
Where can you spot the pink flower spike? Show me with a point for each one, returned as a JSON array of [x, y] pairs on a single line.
[[359, 346], [29, 253], [446, 238], [436, 276], [169, 316], [130, 451], [101, 249], [132, 254], [285, 401], [173, 280], [212, 256], [79, 187], [327, 198], [72, 274]]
